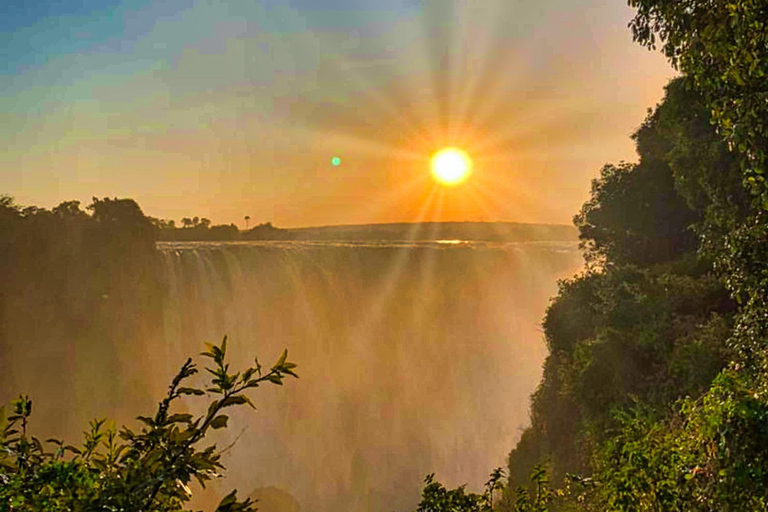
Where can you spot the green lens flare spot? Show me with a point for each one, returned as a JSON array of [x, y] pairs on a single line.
[[336, 161]]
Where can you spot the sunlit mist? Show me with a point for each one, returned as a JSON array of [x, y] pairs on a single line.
[[238, 110]]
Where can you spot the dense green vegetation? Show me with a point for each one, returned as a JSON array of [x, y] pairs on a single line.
[[655, 387], [648, 322], [145, 470]]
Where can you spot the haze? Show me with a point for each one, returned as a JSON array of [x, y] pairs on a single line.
[[226, 109]]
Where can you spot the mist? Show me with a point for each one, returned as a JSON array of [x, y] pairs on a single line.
[[414, 357]]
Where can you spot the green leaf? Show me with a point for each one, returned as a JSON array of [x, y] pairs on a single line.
[[146, 419], [219, 421], [229, 499], [282, 358], [190, 391], [180, 418], [212, 407], [234, 400], [224, 347]]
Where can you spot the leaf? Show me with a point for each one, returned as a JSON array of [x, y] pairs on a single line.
[[73, 449], [219, 421], [210, 347], [180, 418], [229, 499], [282, 358], [190, 391], [248, 401], [212, 408], [146, 419], [234, 400]]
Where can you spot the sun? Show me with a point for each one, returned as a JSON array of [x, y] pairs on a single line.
[[451, 166]]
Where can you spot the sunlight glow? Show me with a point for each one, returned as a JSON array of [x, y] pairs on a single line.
[[451, 166]]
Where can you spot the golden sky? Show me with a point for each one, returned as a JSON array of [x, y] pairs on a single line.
[[225, 109]]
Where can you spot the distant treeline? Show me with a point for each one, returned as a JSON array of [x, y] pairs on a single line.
[[200, 229]]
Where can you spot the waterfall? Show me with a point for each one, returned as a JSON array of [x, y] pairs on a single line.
[[413, 358]]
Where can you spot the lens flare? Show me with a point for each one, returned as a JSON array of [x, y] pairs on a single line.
[[451, 166]]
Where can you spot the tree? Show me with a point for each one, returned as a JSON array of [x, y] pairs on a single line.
[[649, 323], [70, 210], [247, 220], [435, 497], [723, 46], [635, 215], [186, 222], [138, 471]]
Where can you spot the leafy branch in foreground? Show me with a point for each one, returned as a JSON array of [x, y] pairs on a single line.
[[143, 471], [435, 497]]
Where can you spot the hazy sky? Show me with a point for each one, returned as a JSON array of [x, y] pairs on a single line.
[[229, 108]]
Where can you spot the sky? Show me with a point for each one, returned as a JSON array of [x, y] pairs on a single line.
[[222, 109]]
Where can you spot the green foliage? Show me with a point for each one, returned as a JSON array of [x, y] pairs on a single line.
[[650, 323], [635, 216], [722, 45], [711, 455], [147, 470], [656, 381], [435, 497], [538, 500]]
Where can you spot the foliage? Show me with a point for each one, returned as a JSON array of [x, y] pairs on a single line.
[[635, 393], [711, 455], [194, 229], [655, 385], [92, 276], [722, 45], [635, 216], [145, 470], [435, 497]]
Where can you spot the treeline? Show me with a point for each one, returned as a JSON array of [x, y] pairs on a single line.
[[648, 323], [655, 391], [200, 229], [76, 284]]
